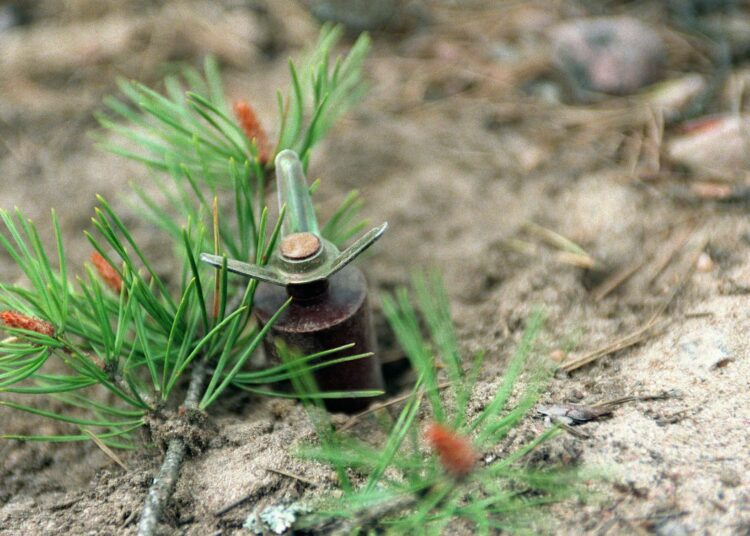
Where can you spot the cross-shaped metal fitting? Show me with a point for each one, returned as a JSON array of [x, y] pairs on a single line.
[[303, 255]]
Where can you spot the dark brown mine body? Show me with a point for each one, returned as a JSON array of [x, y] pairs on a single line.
[[324, 315]]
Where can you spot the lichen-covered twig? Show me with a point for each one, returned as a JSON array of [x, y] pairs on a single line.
[[161, 488]]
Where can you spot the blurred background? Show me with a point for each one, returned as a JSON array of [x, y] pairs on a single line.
[[508, 88]]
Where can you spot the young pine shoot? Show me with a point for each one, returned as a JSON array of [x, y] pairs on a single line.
[[193, 135], [426, 477]]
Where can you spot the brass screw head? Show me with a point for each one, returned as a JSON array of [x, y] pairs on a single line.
[[299, 246]]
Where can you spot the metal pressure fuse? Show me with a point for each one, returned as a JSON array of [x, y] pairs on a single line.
[[329, 306]]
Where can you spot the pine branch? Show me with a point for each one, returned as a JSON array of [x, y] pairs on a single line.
[[161, 489], [122, 327], [117, 379], [163, 485]]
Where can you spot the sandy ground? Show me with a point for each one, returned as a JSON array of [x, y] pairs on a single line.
[[454, 150]]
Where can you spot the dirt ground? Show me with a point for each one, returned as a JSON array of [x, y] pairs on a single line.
[[473, 148]]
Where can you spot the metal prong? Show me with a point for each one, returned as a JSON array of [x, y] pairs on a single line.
[[243, 268], [358, 247]]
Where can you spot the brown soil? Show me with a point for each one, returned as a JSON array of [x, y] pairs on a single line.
[[457, 148]]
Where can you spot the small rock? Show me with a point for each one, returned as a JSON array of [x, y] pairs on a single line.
[[577, 395], [714, 145], [702, 349], [546, 91], [615, 55], [737, 279], [356, 15], [704, 263], [558, 355], [672, 528], [12, 14], [730, 478]]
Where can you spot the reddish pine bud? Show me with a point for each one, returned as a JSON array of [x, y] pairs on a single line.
[[454, 451], [108, 274], [14, 319], [252, 128]]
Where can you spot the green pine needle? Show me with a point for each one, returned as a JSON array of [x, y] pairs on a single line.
[[190, 136], [403, 490]]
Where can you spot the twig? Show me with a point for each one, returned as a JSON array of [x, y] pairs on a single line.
[[555, 240], [699, 314], [377, 407], [639, 335], [579, 261], [129, 519], [64, 505], [677, 244], [113, 376], [235, 504], [661, 263], [617, 279], [572, 431], [108, 451], [161, 488], [666, 395], [648, 328], [566, 416], [292, 476]]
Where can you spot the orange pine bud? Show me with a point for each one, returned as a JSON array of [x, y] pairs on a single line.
[[108, 274], [252, 128], [14, 319], [454, 451]]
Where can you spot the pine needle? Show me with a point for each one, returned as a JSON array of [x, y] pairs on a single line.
[[108, 451]]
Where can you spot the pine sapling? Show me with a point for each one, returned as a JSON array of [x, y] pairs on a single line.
[[125, 340]]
